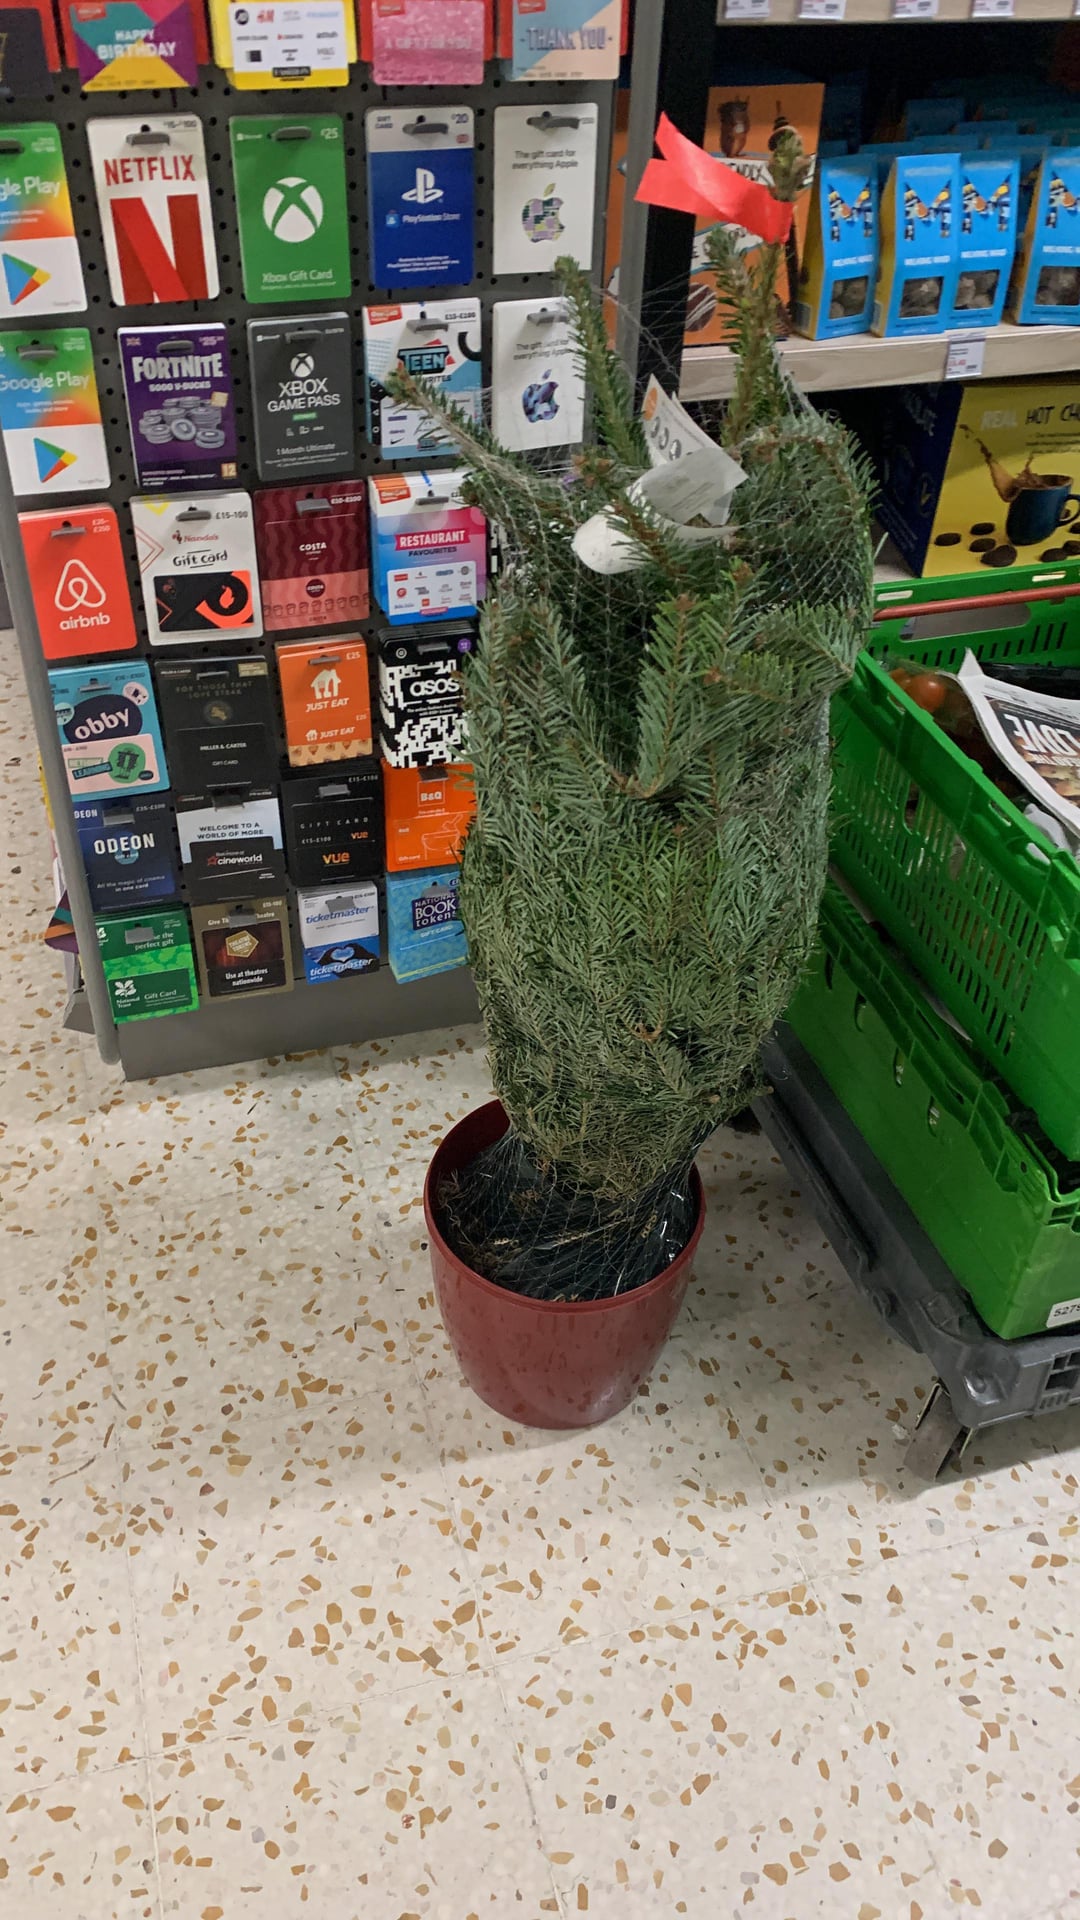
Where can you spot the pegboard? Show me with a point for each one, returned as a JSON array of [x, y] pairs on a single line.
[[372, 1005]]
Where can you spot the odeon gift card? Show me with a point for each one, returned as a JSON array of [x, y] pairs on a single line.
[[50, 413]]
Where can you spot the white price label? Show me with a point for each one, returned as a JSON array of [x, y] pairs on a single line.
[[993, 9], [822, 9], [753, 9], [669, 429], [915, 9], [964, 357]]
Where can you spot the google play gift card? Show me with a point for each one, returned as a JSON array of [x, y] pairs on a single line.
[[50, 412]]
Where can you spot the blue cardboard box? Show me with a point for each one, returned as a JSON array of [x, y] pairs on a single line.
[[919, 217], [989, 193]]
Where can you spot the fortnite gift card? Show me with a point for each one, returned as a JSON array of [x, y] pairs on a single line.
[[181, 412], [420, 193], [313, 555], [40, 269], [127, 850], [197, 560], [545, 186], [79, 582], [108, 728], [50, 412], [154, 201], [302, 395], [128, 45], [291, 207]]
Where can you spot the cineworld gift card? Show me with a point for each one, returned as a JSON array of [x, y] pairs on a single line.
[[197, 561], [153, 198]]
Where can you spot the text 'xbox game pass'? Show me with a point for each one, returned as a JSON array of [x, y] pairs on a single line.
[[291, 207]]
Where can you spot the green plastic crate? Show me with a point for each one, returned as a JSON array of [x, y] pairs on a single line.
[[1001, 1207], [982, 902]]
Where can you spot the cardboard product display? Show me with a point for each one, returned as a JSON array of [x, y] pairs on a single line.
[[127, 850], [334, 825], [439, 342], [839, 267], [40, 268], [326, 698], [129, 46], [230, 842], [284, 43], [424, 932], [219, 722], [427, 815], [313, 555], [565, 39], [180, 404], [1046, 290], [426, 43], [243, 948], [429, 550], [291, 207], [545, 186], [986, 247], [421, 709], [339, 932], [537, 389], [109, 731], [917, 275], [420, 196], [153, 198], [79, 582], [986, 475], [148, 964], [302, 395], [200, 576], [50, 412]]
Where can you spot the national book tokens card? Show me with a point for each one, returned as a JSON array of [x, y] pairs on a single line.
[[302, 395], [109, 731], [420, 191], [153, 198], [439, 341], [50, 412], [423, 923], [230, 844], [148, 964], [130, 45], [291, 207], [127, 850], [40, 269], [219, 722], [79, 581], [200, 577], [326, 697], [545, 186], [181, 411], [537, 390], [243, 949], [313, 555]]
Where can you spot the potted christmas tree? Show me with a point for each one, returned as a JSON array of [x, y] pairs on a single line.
[[640, 885]]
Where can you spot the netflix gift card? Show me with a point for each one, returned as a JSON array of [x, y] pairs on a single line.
[[312, 544], [218, 717], [154, 201], [76, 566], [197, 560]]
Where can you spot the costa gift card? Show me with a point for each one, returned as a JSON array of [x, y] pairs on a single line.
[[197, 560], [153, 197], [326, 696], [76, 566], [312, 544]]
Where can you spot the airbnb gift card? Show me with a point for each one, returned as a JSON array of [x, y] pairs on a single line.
[[154, 200], [197, 560], [420, 190], [76, 567]]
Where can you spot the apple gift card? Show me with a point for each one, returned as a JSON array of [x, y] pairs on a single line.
[[545, 186]]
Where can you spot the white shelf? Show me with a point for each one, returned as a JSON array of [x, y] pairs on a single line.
[[880, 13], [864, 361]]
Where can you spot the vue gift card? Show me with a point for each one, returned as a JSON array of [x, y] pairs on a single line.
[[545, 186], [313, 555], [537, 392], [153, 198], [181, 413], [302, 395], [230, 843], [291, 207], [126, 45], [334, 825], [339, 932], [127, 850], [147, 961], [420, 196], [79, 581], [326, 697], [243, 949], [197, 560], [40, 269], [219, 722], [108, 728], [50, 412], [439, 342]]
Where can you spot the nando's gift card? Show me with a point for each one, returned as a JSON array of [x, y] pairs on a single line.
[[334, 825], [76, 567], [326, 696], [244, 948], [313, 554], [199, 572], [219, 722]]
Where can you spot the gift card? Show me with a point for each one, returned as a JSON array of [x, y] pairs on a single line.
[[50, 412], [302, 395], [25, 69], [230, 843], [40, 269], [243, 949], [429, 550], [420, 196], [148, 964], [326, 697], [339, 932], [565, 39], [545, 186], [426, 43], [79, 581], [427, 815], [129, 45], [424, 933], [439, 342], [537, 388], [421, 705], [127, 850], [284, 43], [180, 404], [200, 578], [154, 202], [219, 722], [334, 825], [313, 555], [291, 207], [109, 730]]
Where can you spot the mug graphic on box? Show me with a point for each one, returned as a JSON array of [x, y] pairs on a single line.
[[1040, 507]]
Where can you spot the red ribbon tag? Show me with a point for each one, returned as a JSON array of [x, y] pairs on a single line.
[[689, 180]]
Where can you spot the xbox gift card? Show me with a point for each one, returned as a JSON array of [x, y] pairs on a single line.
[[420, 193], [50, 412], [154, 200], [197, 560], [179, 391], [40, 269], [108, 728], [79, 581], [291, 207], [302, 396]]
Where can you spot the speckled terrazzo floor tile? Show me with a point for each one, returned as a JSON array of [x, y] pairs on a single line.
[[56, 1411], [967, 1666], [406, 1093], [304, 1561], [716, 1767], [80, 1849]]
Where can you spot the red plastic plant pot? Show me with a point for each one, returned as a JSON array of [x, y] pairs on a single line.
[[547, 1363]]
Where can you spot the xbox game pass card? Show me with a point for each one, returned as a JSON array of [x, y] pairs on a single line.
[[50, 412], [420, 191], [108, 728], [127, 850], [291, 207], [302, 395], [197, 560], [153, 197], [148, 964], [40, 269], [179, 391]]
